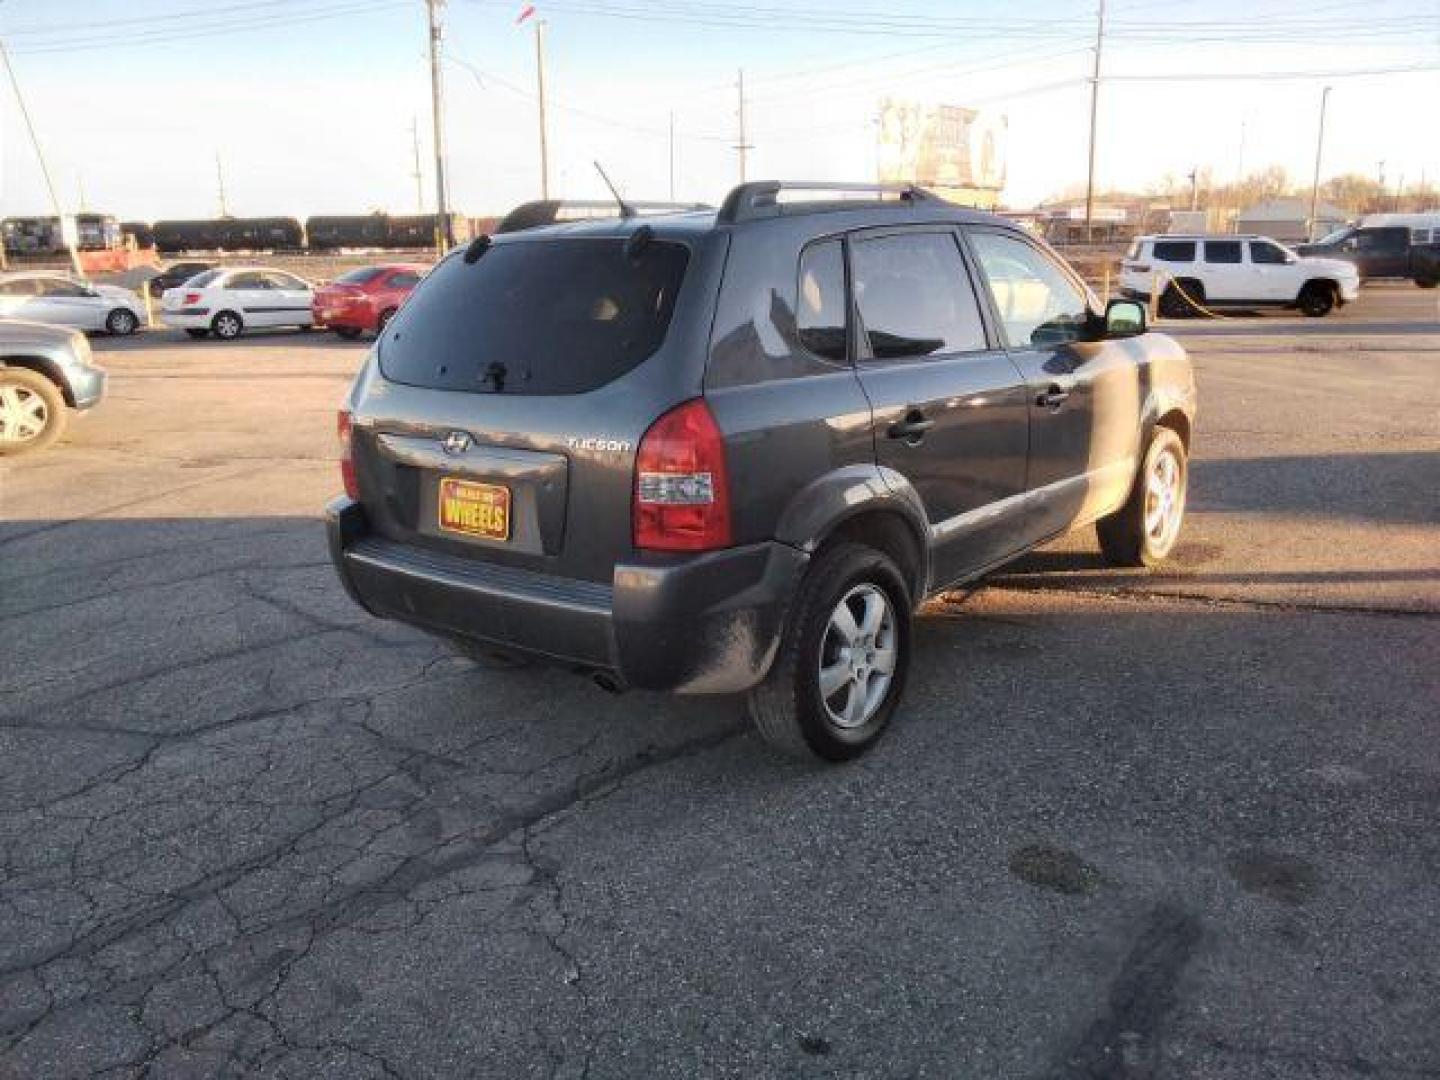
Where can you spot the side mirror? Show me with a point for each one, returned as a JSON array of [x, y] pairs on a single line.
[[1124, 318]]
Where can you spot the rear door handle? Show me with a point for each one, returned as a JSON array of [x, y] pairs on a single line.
[[912, 429], [1052, 398]]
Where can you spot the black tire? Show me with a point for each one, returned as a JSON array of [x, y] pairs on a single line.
[[197, 332], [1173, 304], [1125, 539], [383, 321], [227, 325], [1427, 283], [35, 394], [788, 707], [122, 322], [1317, 299], [348, 333]]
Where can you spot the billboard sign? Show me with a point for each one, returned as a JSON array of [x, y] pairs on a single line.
[[941, 146]]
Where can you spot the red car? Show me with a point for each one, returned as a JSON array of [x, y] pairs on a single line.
[[364, 298]]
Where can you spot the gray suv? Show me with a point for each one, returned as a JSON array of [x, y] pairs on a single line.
[[725, 452]]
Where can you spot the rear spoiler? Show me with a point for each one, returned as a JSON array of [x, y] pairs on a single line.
[[536, 215]]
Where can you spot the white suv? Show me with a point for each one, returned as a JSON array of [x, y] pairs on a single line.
[[1233, 271]]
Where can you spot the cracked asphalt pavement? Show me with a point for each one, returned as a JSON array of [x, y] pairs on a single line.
[[1179, 824]]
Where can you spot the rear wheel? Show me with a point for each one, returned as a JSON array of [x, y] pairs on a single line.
[[1173, 303], [32, 411], [384, 321], [1144, 531], [121, 322], [1317, 299], [227, 326], [841, 668], [349, 333], [1427, 283]]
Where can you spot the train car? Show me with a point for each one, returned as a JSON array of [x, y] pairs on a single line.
[[138, 231], [261, 234], [41, 235], [411, 231], [172, 237], [335, 231]]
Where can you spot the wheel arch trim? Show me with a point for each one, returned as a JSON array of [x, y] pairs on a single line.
[[827, 504]]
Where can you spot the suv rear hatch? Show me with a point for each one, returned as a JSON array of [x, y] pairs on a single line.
[[499, 415]]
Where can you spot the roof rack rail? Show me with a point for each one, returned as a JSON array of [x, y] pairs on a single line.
[[535, 215], [761, 198]]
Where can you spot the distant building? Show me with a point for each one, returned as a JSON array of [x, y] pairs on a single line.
[[1289, 219]]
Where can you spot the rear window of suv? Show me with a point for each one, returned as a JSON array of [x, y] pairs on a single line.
[[536, 317], [1180, 251]]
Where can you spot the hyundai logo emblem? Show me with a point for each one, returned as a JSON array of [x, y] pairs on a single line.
[[456, 442]]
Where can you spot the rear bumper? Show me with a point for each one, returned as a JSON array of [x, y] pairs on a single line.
[[346, 316], [186, 317], [701, 624]]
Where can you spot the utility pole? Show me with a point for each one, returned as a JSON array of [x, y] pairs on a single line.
[[742, 145], [1094, 114], [672, 155], [1319, 151], [220, 182], [419, 177], [540, 91], [69, 234], [1195, 188], [443, 237]]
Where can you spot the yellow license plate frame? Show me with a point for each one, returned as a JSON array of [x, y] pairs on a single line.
[[473, 508]]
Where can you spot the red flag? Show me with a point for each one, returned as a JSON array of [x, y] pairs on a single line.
[[525, 13]]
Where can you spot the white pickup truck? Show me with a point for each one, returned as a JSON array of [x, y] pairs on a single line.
[[1196, 272]]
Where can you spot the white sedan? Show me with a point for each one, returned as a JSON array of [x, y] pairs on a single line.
[[64, 301], [226, 302]]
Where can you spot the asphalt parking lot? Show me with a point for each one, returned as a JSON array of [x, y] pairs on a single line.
[[1180, 824]]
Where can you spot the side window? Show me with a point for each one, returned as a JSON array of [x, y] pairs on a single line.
[[1175, 251], [285, 281], [405, 279], [245, 281], [820, 303], [1037, 301], [23, 287], [914, 297], [1223, 251], [57, 287], [1266, 253]]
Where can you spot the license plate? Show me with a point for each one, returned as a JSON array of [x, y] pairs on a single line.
[[474, 509]]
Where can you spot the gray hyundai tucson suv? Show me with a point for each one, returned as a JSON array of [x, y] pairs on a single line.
[[732, 451]]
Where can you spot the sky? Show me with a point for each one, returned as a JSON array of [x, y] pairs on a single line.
[[309, 104]]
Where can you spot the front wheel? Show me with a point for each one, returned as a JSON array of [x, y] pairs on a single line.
[[32, 411], [1317, 300], [347, 333], [384, 321], [841, 667], [1427, 283], [1144, 531], [121, 322]]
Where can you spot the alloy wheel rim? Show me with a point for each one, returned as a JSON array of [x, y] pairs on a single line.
[[858, 655], [226, 327], [23, 414], [1164, 499]]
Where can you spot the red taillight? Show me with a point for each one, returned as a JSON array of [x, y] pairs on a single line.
[[192, 298], [347, 456], [682, 492]]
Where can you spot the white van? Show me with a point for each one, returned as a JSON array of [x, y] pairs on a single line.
[[1224, 270]]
